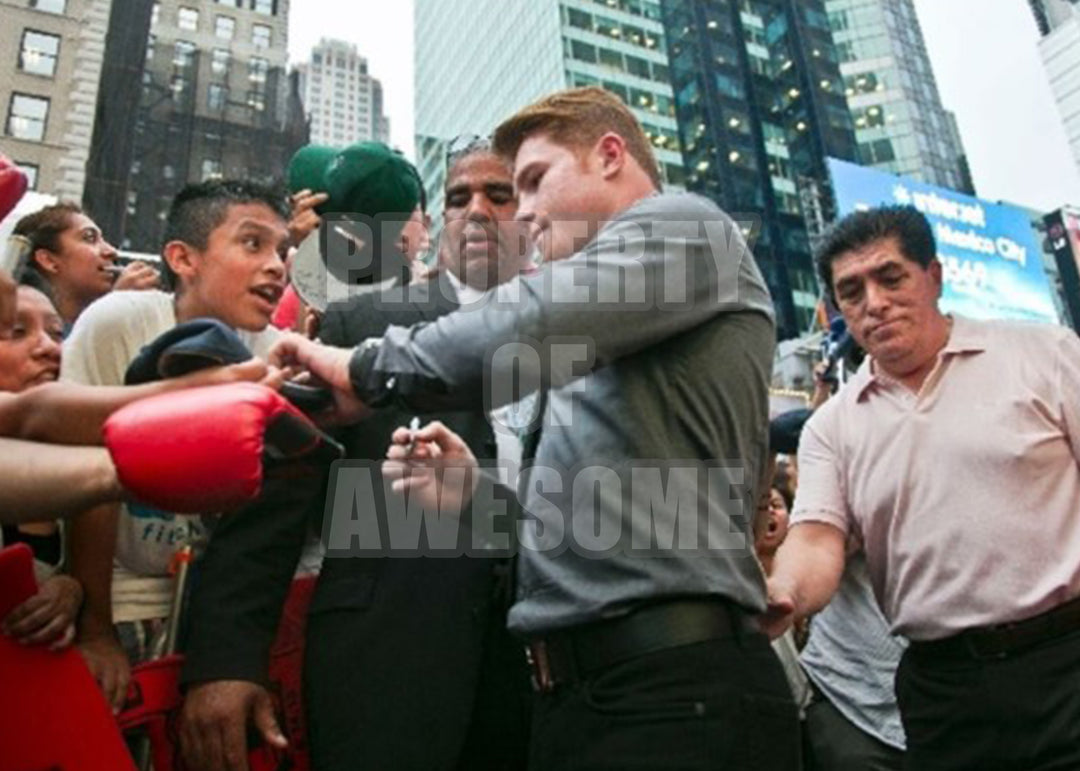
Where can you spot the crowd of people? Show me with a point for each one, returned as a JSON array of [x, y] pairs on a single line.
[[617, 560]]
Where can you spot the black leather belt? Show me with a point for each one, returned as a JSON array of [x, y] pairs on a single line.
[[1004, 640], [567, 656]]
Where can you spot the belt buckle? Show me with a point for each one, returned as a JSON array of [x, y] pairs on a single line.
[[540, 667]]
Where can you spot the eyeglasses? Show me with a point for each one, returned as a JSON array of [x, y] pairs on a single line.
[[464, 144]]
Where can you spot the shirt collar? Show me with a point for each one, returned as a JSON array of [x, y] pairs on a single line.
[[466, 295], [965, 337]]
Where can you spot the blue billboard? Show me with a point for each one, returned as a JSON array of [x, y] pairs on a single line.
[[991, 259]]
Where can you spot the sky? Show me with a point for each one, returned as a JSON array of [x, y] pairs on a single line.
[[983, 53]]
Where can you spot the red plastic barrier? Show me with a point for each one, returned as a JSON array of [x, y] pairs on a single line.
[[52, 714], [154, 696]]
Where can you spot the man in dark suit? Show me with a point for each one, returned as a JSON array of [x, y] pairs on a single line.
[[408, 663]]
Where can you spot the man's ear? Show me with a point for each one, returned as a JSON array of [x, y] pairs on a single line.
[[182, 259], [46, 261], [936, 273], [611, 151]]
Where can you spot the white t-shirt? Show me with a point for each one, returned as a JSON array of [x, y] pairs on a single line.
[[105, 339]]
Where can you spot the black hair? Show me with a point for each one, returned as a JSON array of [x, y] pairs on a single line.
[[858, 230], [42, 229], [200, 208]]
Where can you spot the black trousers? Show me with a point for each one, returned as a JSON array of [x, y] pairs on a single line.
[[390, 687], [722, 704], [834, 743], [1019, 713]]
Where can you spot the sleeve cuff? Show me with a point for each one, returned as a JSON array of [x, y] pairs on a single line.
[[232, 664], [839, 521], [365, 382]]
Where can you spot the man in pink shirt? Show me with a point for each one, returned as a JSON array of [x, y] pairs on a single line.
[[953, 455]]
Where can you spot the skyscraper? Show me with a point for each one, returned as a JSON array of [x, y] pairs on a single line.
[[1051, 14], [343, 102], [50, 64], [477, 62], [212, 102], [760, 105], [1059, 24], [900, 123]]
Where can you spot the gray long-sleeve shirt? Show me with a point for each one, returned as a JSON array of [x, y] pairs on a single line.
[[654, 346]]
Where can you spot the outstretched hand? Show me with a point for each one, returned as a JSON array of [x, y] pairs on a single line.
[[327, 366], [433, 463]]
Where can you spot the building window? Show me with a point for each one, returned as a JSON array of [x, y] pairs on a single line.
[[27, 116], [611, 59], [260, 36], [674, 174], [643, 100], [215, 97], [608, 27], [264, 6], [155, 13], [880, 151], [150, 48], [257, 69], [730, 86], [583, 52], [256, 101], [225, 27], [579, 19], [871, 117], [183, 54], [178, 85], [617, 89], [211, 169], [219, 61], [638, 67], [49, 6], [230, 3], [39, 52], [31, 172], [188, 19]]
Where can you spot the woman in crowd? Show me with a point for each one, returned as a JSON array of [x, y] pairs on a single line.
[[72, 263], [30, 357]]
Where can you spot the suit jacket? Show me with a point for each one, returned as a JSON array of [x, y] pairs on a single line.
[[395, 646]]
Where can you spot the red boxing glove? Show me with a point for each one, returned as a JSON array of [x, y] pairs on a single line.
[[13, 185], [201, 450]]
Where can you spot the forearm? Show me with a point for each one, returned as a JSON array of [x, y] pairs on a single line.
[[67, 413], [70, 413], [810, 563], [91, 548], [575, 316], [39, 481]]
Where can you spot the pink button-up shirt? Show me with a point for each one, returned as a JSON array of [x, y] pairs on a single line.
[[966, 495]]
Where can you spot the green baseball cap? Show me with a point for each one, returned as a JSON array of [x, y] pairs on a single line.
[[369, 178], [307, 169], [373, 190]]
